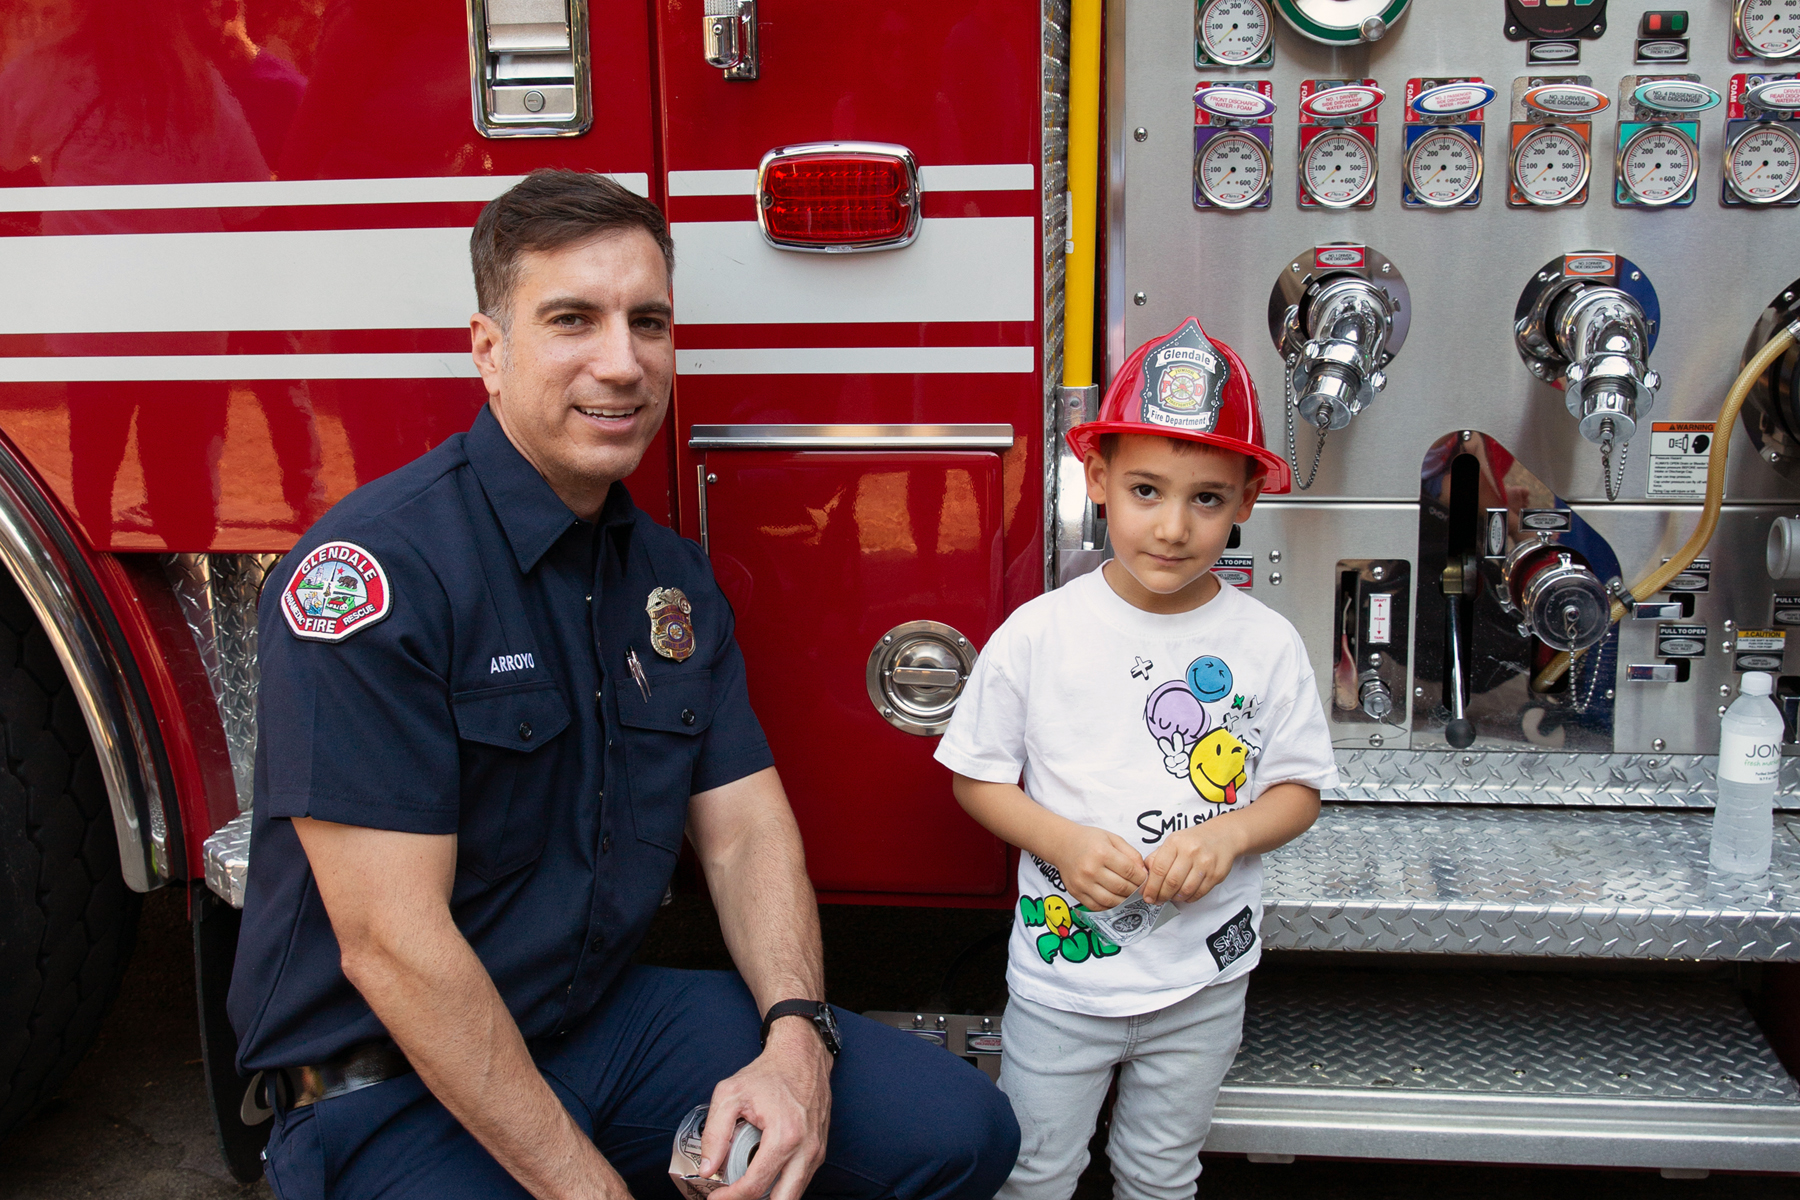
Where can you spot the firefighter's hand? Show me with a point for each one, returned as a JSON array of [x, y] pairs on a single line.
[[1098, 868], [786, 1093], [1193, 862], [1175, 755]]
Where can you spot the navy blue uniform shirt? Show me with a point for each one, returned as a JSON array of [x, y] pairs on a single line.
[[494, 702]]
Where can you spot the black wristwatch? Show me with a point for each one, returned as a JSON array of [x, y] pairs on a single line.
[[817, 1012]]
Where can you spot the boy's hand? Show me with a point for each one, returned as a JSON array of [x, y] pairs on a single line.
[[1193, 862], [1098, 868]]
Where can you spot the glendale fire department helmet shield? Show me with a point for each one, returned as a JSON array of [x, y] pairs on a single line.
[[1186, 385]]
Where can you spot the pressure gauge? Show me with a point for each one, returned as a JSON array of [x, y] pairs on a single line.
[[1443, 167], [1337, 168], [1550, 166], [1232, 170], [1342, 22], [1770, 28], [1234, 33], [1657, 165], [1762, 165]]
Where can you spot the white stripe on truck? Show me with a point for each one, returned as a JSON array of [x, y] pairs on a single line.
[[275, 193], [285, 279], [959, 269], [169, 367], [859, 360]]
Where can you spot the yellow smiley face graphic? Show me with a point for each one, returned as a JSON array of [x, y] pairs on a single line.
[[1216, 767]]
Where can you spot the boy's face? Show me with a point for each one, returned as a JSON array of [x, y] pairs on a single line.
[[1169, 513]]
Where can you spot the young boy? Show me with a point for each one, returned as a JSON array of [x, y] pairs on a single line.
[[1169, 731]]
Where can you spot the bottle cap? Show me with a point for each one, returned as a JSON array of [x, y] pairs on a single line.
[[1756, 683]]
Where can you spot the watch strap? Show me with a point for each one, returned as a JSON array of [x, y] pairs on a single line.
[[815, 1011]]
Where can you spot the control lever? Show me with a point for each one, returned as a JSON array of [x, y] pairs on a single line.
[[1586, 324], [1457, 581], [1338, 315]]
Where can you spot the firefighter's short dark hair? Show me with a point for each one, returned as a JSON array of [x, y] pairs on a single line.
[[547, 210]]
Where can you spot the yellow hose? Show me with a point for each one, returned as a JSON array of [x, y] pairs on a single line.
[[1656, 580], [1084, 193]]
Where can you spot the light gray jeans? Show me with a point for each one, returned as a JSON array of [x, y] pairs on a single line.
[[1057, 1067]]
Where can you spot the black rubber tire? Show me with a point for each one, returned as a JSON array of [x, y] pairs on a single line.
[[67, 920]]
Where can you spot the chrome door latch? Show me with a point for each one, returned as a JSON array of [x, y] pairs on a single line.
[[528, 67], [916, 674], [731, 37]]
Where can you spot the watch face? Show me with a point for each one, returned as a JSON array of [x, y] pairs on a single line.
[[827, 1022]]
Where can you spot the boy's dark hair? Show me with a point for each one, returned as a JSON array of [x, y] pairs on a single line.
[[1108, 446], [547, 210]]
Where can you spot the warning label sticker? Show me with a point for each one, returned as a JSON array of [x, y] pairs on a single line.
[[1239, 570], [1678, 454]]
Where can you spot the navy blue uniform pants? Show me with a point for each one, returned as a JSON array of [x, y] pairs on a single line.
[[908, 1121]]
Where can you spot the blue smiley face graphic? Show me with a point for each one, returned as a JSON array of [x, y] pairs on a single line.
[[1209, 678]]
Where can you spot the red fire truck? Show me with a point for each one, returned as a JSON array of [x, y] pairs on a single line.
[[910, 240]]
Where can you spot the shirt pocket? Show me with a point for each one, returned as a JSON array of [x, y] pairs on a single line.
[[506, 781], [662, 737]]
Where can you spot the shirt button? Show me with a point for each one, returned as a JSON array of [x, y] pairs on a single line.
[[606, 845], [589, 598], [687, 716], [525, 730], [597, 945]]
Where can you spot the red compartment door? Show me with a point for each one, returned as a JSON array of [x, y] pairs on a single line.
[[821, 553]]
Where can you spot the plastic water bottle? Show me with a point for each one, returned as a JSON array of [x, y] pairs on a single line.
[[1749, 763]]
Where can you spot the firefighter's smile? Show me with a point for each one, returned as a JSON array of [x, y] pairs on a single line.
[[611, 415]]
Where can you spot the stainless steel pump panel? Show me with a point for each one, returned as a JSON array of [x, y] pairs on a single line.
[[1699, 277]]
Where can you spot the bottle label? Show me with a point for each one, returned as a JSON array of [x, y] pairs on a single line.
[[1748, 758]]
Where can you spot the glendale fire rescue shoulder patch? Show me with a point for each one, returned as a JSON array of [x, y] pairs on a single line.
[[336, 590], [1183, 381]]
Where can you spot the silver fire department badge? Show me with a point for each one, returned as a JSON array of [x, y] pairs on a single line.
[[1183, 381], [671, 624]]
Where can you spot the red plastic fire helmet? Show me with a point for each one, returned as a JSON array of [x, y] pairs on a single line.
[[1186, 385]]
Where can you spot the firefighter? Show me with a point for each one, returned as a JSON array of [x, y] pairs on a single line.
[[495, 695]]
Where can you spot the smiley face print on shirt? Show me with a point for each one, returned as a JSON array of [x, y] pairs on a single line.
[[1210, 753]]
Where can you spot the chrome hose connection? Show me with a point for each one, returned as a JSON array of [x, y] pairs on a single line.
[[1338, 373], [1603, 334]]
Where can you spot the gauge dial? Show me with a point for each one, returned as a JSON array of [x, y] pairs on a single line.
[[1342, 22], [1763, 164], [1550, 166], [1657, 165], [1232, 170], [1770, 28], [1443, 167], [1337, 168], [1234, 32]]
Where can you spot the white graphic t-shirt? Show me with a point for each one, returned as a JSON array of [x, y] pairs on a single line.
[[1141, 724]]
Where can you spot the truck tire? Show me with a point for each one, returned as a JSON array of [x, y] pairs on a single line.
[[67, 920]]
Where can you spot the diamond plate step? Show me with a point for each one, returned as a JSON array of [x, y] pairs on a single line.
[[1497, 776], [1478, 1067], [1605, 883]]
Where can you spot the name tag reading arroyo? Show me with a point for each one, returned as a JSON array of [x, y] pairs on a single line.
[[336, 590]]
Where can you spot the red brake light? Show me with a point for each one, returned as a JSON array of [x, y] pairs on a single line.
[[838, 197]]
